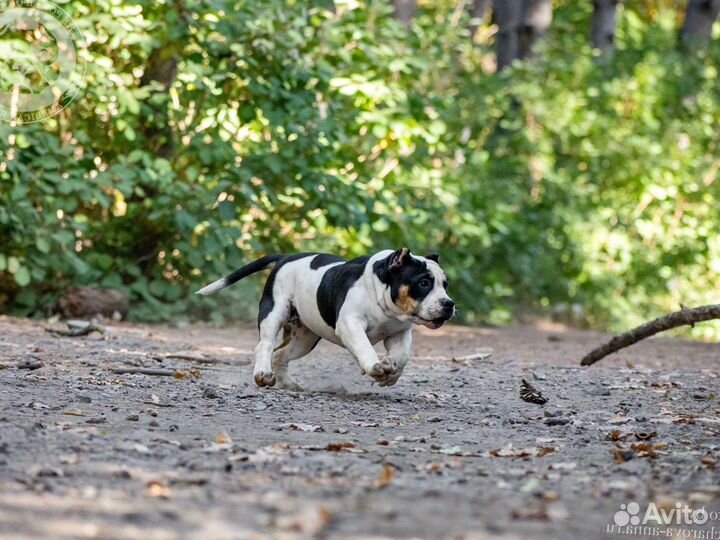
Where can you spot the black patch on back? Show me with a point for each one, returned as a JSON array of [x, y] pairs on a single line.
[[335, 285], [411, 274], [323, 259], [267, 300]]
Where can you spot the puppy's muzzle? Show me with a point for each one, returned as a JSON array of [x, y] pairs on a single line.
[[447, 313]]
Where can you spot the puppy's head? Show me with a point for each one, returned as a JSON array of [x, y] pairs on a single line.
[[417, 287]]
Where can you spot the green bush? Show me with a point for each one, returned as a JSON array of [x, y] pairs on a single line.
[[210, 132]]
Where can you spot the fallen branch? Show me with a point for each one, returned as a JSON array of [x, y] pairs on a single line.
[[144, 371], [190, 357], [686, 316]]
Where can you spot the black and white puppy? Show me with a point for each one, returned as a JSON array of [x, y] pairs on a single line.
[[354, 304]]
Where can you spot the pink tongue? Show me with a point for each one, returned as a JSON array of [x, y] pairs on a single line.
[[431, 324]]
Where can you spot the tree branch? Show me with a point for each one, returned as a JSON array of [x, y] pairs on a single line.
[[673, 320]]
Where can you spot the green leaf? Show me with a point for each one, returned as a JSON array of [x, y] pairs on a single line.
[[22, 276]]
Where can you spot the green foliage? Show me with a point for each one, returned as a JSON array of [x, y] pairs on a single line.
[[210, 132]]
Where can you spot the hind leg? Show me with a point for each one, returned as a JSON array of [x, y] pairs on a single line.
[[298, 341], [269, 327]]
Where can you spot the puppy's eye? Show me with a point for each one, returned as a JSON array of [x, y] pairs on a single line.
[[425, 283]]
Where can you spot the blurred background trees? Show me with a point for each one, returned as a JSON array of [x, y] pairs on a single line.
[[562, 156]]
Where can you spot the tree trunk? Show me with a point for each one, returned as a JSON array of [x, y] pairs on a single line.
[[161, 67], [602, 28], [508, 17], [477, 10], [537, 15], [699, 18], [520, 24], [404, 10]]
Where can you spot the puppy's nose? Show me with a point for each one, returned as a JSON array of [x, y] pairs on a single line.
[[448, 305]]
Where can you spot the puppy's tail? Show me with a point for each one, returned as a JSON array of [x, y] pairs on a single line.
[[240, 273]]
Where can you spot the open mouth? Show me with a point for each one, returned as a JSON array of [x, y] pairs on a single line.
[[432, 324]]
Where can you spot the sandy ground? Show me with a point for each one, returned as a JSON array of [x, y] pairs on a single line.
[[449, 452]]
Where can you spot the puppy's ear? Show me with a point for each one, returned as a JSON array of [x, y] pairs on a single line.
[[433, 257], [399, 258]]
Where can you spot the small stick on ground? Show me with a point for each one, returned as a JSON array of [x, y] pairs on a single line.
[[686, 316], [77, 332], [190, 357], [144, 371]]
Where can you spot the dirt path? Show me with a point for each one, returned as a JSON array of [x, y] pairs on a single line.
[[449, 452]]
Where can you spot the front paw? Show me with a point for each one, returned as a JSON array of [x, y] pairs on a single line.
[[386, 372], [265, 378]]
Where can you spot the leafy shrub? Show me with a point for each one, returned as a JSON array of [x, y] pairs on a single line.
[[210, 132]]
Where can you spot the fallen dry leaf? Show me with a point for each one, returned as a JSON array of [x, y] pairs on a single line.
[[644, 450], [385, 477], [709, 461], [339, 446], [223, 438], [531, 394], [617, 435], [155, 488], [192, 373], [73, 412]]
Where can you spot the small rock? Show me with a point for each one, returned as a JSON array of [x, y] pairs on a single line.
[[556, 421], [84, 399], [132, 418], [210, 393], [45, 472], [552, 413], [434, 419], [30, 364], [154, 423], [98, 420], [173, 427]]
